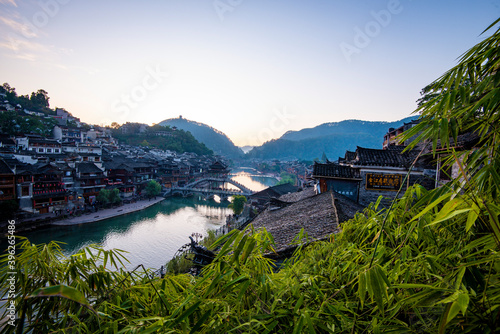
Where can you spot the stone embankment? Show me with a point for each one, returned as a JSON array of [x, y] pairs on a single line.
[[48, 219], [109, 213]]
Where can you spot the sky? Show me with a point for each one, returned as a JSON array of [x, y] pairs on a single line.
[[252, 69]]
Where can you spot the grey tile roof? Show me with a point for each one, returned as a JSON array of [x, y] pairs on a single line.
[[333, 170], [88, 167], [316, 215]]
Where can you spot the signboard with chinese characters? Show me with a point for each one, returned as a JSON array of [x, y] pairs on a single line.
[[390, 182]]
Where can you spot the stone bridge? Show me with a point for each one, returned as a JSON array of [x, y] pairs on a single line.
[[208, 187]]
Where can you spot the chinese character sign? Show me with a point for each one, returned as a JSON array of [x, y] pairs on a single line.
[[383, 181]]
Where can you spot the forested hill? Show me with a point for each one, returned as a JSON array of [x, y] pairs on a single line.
[[161, 137], [333, 139], [212, 138]]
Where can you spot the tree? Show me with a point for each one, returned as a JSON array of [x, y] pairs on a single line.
[[103, 196], [237, 204], [153, 188], [40, 99], [114, 196], [287, 178]]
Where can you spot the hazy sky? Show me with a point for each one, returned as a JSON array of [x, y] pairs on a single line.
[[250, 68]]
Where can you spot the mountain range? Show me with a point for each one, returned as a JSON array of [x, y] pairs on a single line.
[[332, 139], [214, 139]]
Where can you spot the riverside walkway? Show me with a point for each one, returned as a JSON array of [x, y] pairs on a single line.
[[109, 213]]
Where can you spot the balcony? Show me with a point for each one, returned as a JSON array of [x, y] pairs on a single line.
[[49, 193], [91, 177]]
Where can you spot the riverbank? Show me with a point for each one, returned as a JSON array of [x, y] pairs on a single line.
[[108, 213]]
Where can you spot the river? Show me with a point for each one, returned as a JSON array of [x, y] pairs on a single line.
[[152, 236]]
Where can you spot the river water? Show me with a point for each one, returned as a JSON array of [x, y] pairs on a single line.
[[151, 236]]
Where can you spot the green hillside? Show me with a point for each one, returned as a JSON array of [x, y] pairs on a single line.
[[163, 138], [212, 138]]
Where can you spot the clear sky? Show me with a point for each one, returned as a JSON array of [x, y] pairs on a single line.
[[250, 68]]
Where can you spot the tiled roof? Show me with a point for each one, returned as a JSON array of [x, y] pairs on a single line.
[[44, 141], [284, 188], [88, 167], [47, 169], [378, 157], [349, 155], [335, 171], [316, 215], [218, 165], [275, 191], [4, 168], [466, 140]]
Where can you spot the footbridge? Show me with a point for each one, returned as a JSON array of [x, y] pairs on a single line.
[[209, 187]]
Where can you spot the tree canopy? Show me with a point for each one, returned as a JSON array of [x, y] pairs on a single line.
[[36, 101], [157, 136], [153, 188], [237, 204]]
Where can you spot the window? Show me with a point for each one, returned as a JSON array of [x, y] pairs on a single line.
[[49, 150], [40, 150], [25, 191], [56, 150], [85, 158]]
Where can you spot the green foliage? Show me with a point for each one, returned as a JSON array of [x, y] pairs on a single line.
[[153, 188], [12, 123], [237, 204], [287, 178], [103, 196], [107, 196], [37, 101], [114, 196], [182, 263], [162, 137], [212, 138], [43, 271]]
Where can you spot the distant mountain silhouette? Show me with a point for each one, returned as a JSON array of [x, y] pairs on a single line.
[[333, 139], [246, 148], [214, 139]]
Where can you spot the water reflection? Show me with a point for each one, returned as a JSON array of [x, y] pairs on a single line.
[[151, 236]]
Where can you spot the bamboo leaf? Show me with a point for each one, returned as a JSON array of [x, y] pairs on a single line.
[[449, 216], [200, 322], [64, 292], [298, 304], [375, 287], [472, 217], [362, 287], [187, 313]]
